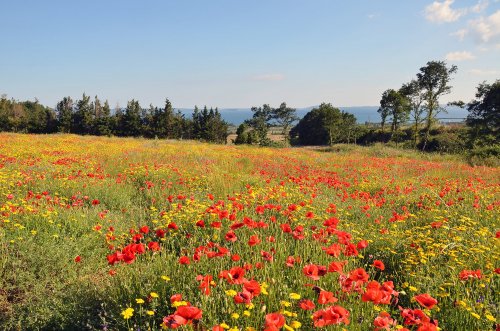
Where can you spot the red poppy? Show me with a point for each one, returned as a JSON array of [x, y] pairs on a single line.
[[336, 266], [415, 316], [175, 298], [231, 236], [311, 271], [252, 287], [362, 244], [275, 321], [330, 316], [184, 260], [306, 304], [379, 264], [144, 229], [426, 300], [78, 258], [235, 275], [242, 297], [326, 297], [384, 321], [359, 275], [154, 246], [254, 240]]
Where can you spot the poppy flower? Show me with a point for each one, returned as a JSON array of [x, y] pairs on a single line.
[[336, 266], [426, 300], [254, 240], [384, 321], [311, 271], [252, 287], [379, 264], [275, 320], [326, 297], [231, 236], [184, 260], [306, 304], [78, 258]]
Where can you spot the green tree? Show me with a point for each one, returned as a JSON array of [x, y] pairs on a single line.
[[434, 80], [284, 117], [131, 119], [83, 117], [395, 106], [324, 125], [64, 111], [484, 114], [413, 93], [103, 125], [260, 123]]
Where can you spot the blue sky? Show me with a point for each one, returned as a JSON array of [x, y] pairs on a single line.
[[235, 53]]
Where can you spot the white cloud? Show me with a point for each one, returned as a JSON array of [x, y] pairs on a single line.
[[482, 72], [460, 34], [480, 6], [269, 77], [441, 12], [372, 16], [486, 29], [459, 56]]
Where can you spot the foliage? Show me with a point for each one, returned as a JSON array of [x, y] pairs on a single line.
[[484, 114], [324, 125]]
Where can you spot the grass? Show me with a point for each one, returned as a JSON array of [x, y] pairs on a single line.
[[69, 202]]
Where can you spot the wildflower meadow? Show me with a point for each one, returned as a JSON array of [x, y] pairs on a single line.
[[104, 233]]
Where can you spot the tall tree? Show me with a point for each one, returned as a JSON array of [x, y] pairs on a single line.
[[83, 118], [484, 114], [131, 119], [413, 93], [103, 125], [260, 123], [395, 107], [285, 117], [434, 81], [64, 111]]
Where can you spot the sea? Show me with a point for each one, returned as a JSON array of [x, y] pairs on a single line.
[[363, 114]]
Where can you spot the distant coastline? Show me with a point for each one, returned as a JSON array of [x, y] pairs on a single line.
[[363, 114]]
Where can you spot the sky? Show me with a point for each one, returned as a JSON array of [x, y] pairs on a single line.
[[241, 53]]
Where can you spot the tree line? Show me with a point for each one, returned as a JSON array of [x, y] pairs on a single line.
[[94, 117], [417, 100]]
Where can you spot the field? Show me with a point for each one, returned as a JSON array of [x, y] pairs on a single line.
[[117, 234]]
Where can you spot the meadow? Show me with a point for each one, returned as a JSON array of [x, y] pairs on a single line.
[[120, 233]]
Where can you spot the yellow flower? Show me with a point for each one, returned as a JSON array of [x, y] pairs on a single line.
[[294, 296], [246, 313], [231, 293], [490, 317], [150, 312], [475, 315], [139, 301], [235, 316], [165, 278], [224, 325], [263, 288], [285, 303], [295, 324], [288, 328], [179, 303], [153, 295], [127, 313]]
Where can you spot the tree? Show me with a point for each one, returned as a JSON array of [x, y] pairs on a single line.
[[394, 106], [434, 81], [413, 93], [83, 118], [131, 119], [260, 123], [103, 125], [64, 113], [284, 117], [324, 125], [484, 114]]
